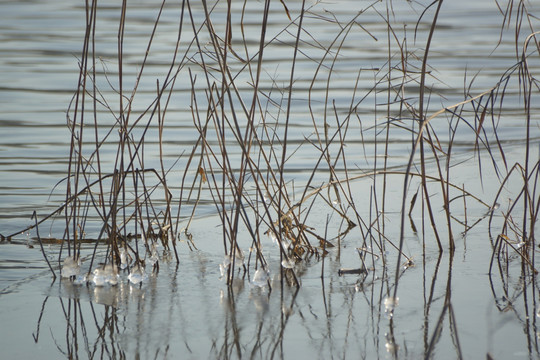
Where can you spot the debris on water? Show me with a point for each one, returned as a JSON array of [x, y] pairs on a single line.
[[70, 267], [260, 278], [137, 275], [408, 264], [390, 303], [342, 272]]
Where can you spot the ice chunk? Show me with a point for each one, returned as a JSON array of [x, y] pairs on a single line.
[[137, 275], [260, 278], [70, 267], [98, 277], [111, 274], [288, 263], [80, 280], [154, 256], [105, 275], [123, 258]]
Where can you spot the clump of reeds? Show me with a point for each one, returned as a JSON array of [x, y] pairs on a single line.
[[120, 181]]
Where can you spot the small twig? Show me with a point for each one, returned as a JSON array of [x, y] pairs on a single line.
[[34, 216]]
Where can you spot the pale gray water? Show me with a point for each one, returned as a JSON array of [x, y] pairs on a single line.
[[188, 312]]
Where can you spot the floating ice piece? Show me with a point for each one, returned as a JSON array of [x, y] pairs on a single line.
[[123, 258], [111, 274], [224, 266], [284, 242], [70, 267], [260, 278], [390, 303], [223, 269], [288, 263], [98, 277], [137, 275], [80, 280], [239, 258], [272, 236], [106, 275], [154, 256]]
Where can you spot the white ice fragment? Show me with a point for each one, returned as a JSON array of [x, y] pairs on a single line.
[[80, 280], [260, 278], [224, 266], [272, 236], [222, 269], [70, 267], [137, 275], [105, 275], [390, 303], [98, 277], [288, 263], [226, 261], [154, 256], [123, 258], [111, 274], [239, 258]]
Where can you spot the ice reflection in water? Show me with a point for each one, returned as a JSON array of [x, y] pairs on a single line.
[[390, 303]]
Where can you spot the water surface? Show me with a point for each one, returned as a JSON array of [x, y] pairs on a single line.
[[188, 311]]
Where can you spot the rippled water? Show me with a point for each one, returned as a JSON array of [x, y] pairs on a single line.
[[188, 311]]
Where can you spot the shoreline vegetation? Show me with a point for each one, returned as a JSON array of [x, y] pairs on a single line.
[[130, 187]]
